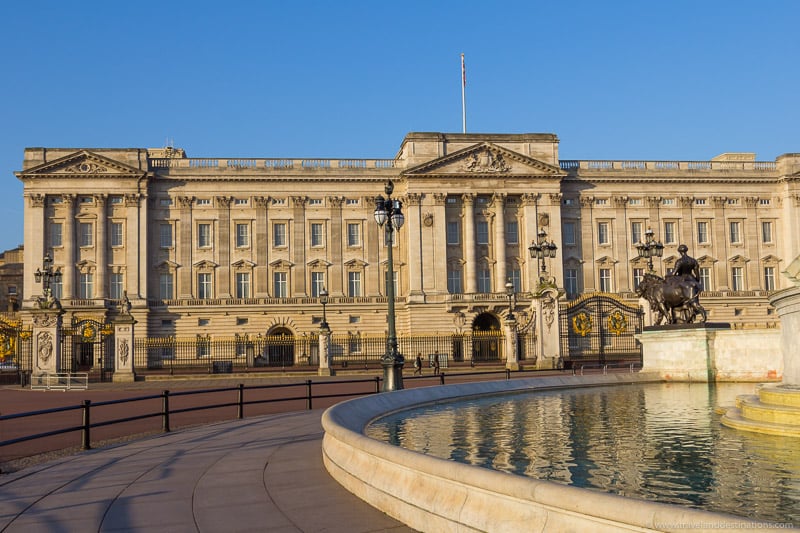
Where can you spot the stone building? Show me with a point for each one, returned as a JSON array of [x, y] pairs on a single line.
[[208, 246], [12, 271]]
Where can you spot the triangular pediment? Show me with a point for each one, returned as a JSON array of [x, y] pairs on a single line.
[[281, 264], [205, 264], [84, 164], [738, 259], [706, 260], [606, 261], [486, 159], [318, 263], [770, 259], [243, 263], [355, 263]]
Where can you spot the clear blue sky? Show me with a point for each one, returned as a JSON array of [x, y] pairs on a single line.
[[677, 79]]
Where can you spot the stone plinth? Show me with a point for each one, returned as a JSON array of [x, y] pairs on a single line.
[[512, 354], [123, 349], [325, 352], [680, 352], [787, 305], [46, 337]]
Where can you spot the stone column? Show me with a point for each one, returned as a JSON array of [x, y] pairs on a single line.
[[435, 247], [501, 272], [528, 228], [68, 238], [335, 281], [261, 245], [123, 349], [415, 254], [46, 337], [470, 281], [223, 274], [548, 338], [512, 356], [102, 247], [325, 352], [297, 247], [720, 239]]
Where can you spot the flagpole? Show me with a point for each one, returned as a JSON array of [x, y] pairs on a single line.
[[463, 95]]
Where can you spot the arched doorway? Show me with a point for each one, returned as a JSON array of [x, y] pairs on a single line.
[[487, 338], [280, 347]]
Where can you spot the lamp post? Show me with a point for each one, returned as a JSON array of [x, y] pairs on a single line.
[[46, 276], [323, 299], [389, 216], [649, 249], [540, 250], [510, 293]]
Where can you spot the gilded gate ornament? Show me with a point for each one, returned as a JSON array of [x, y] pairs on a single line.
[[582, 323], [617, 323]]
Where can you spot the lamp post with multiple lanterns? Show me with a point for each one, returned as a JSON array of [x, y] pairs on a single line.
[[47, 275], [649, 249], [540, 250], [323, 299], [389, 215]]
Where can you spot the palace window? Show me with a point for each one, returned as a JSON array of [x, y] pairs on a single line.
[[603, 233], [353, 234], [165, 286], [85, 234], [165, 235], [515, 277], [203, 201], [241, 201], [636, 232], [605, 280], [115, 285], [115, 200], [670, 234], [737, 278], [764, 201], [568, 233], [668, 201], [705, 278], [735, 232], [702, 232], [484, 280], [204, 287], [243, 284], [454, 285], [242, 235], [512, 232], [354, 284], [57, 288], [638, 276], [769, 278], [279, 234], [394, 282], [571, 280], [454, 232], [86, 285], [279, 285], [699, 201], [55, 234], [317, 283], [116, 234], [766, 232], [204, 235], [316, 234], [482, 232]]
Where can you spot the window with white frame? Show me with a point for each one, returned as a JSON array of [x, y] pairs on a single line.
[[242, 235], [116, 234], [705, 278], [769, 278], [605, 280], [204, 287], [515, 277], [280, 285], [115, 199], [702, 232], [354, 284], [735, 231], [165, 286], [55, 234], [116, 285], [86, 285], [484, 280], [568, 233], [85, 234], [279, 234], [316, 234], [571, 280], [57, 288], [766, 231], [737, 278], [454, 232], [636, 232], [243, 284], [165, 235], [512, 232], [670, 232], [454, 285], [317, 283], [353, 234], [638, 277], [203, 201], [204, 235], [482, 232], [603, 233]]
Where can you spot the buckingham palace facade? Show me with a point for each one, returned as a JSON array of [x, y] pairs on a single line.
[[220, 246]]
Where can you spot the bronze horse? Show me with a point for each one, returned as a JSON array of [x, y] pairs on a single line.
[[675, 299]]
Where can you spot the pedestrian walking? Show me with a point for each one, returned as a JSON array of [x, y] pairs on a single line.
[[418, 364], [436, 363]]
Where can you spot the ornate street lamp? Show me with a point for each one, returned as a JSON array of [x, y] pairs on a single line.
[[389, 216], [510, 293], [649, 249], [323, 299], [542, 249], [46, 276]]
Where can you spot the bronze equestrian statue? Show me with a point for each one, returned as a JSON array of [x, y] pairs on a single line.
[[675, 299]]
